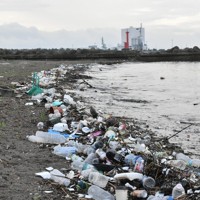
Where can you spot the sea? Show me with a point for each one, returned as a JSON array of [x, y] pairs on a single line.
[[163, 95]]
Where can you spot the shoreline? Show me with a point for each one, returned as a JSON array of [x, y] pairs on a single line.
[[40, 154]]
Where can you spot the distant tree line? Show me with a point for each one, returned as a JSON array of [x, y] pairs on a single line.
[[173, 54], [64, 54]]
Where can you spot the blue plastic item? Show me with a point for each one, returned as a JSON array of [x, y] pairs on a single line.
[[66, 135]]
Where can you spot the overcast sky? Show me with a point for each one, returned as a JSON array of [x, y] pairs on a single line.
[[80, 23]]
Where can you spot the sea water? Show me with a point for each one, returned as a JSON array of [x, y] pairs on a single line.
[[164, 95]]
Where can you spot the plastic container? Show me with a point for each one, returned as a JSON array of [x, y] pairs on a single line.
[[59, 177], [121, 193], [179, 164], [131, 176], [139, 193], [45, 137], [195, 163], [131, 159], [98, 179], [85, 173], [181, 156], [90, 158], [60, 180], [88, 150], [148, 182], [64, 151], [98, 145], [98, 193], [178, 191], [139, 165], [75, 157], [101, 154], [79, 165], [61, 127]]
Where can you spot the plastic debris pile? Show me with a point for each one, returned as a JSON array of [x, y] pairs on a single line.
[[109, 157]]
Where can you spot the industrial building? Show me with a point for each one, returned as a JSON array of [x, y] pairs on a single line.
[[133, 38]]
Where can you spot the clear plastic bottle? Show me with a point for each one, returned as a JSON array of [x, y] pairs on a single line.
[[178, 191], [60, 180], [181, 156], [59, 177], [85, 173], [45, 137], [98, 193], [79, 165], [98, 179], [195, 163], [179, 164], [64, 151], [90, 158], [188, 160]]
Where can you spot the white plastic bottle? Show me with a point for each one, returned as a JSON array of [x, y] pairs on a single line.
[[177, 191], [98, 179], [98, 193]]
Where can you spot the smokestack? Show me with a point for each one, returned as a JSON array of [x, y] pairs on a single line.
[[126, 46]]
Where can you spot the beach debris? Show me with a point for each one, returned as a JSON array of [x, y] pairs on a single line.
[[109, 157]]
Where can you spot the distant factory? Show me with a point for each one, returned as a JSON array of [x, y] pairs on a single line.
[[133, 38]]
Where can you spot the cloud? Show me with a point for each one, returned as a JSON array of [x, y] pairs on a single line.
[[17, 36]]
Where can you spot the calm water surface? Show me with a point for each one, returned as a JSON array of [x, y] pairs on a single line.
[[163, 95]]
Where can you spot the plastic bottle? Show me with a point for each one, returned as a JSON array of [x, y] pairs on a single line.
[[88, 150], [98, 179], [139, 193], [45, 137], [85, 173], [151, 197], [181, 156], [75, 157], [61, 127], [64, 151], [139, 165], [60, 180], [98, 193], [148, 182], [79, 165], [101, 154], [59, 177], [131, 159], [90, 158], [80, 147], [97, 145], [131, 176], [179, 164], [195, 163], [177, 191]]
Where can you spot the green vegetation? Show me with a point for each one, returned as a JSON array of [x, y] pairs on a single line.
[[2, 124]]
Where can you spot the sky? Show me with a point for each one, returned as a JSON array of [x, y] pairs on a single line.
[[81, 23]]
